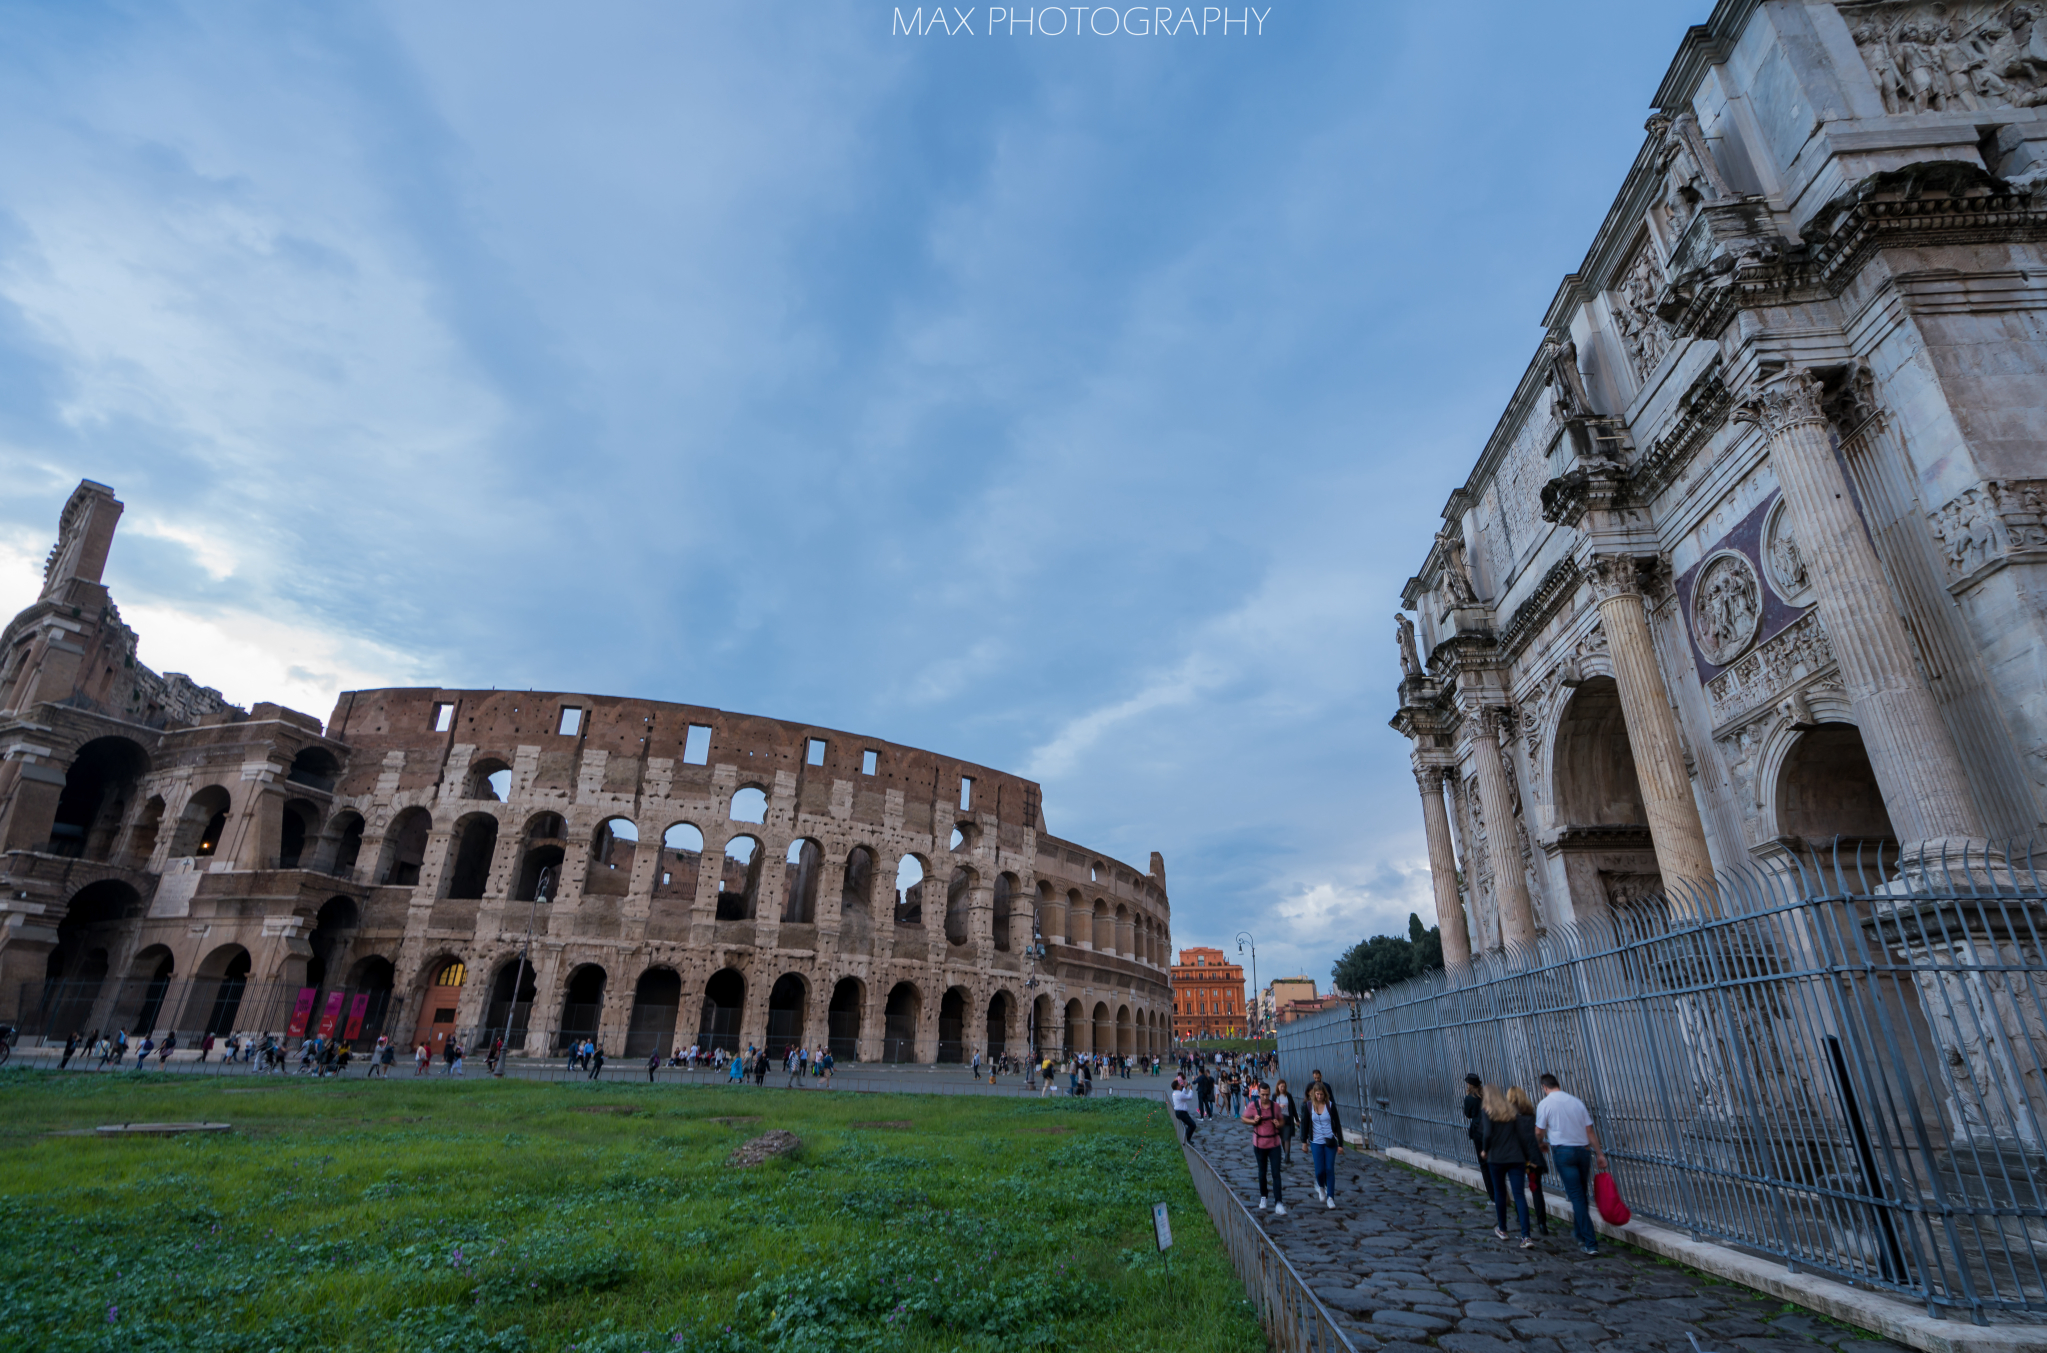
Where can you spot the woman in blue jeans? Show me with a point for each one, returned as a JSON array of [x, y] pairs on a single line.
[[1510, 1146], [1322, 1130]]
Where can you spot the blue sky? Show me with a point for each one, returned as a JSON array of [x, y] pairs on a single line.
[[1071, 404]]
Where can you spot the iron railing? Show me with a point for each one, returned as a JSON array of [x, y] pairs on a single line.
[[1294, 1319], [1841, 1063]]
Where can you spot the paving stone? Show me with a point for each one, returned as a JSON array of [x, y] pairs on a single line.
[[1461, 1342], [1495, 1310], [1411, 1320], [1471, 1291], [1556, 1329]]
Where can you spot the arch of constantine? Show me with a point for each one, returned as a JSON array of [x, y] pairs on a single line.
[[1753, 561], [686, 875]]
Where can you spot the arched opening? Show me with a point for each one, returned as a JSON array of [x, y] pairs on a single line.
[[1001, 1007], [799, 881], [899, 1019], [952, 1025], [370, 983], [1074, 925], [444, 977], [1046, 912], [541, 858], [508, 1014], [1076, 1031], [476, 845], [97, 788], [786, 1000], [1100, 936], [1594, 777], [749, 805], [405, 848], [959, 893], [682, 854], [739, 880], [964, 834], [490, 779], [221, 979], [1119, 934], [149, 977], [910, 891], [201, 824], [1126, 1033], [582, 1007], [724, 1004], [315, 768], [657, 1000], [77, 968], [298, 823], [1827, 790], [148, 826], [344, 835], [1041, 1035], [333, 927], [1104, 1032], [857, 890], [611, 858], [1005, 890], [843, 1019]]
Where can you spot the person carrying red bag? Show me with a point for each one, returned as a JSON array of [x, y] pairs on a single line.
[[1564, 1125]]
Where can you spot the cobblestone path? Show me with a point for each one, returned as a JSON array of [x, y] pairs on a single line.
[[1409, 1262]]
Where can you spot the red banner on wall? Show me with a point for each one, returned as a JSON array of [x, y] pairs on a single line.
[[331, 1016], [357, 1008], [301, 1012]]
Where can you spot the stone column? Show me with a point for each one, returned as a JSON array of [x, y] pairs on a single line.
[[1496, 801], [1674, 825], [1443, 870], [1925, 789]]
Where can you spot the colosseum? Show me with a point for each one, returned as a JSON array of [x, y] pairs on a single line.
[[173, 862]]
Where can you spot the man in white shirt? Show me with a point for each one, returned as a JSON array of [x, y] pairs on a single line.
[[1183, 1105], [1564, 1125]]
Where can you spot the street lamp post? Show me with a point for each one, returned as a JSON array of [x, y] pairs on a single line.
[[542, 887], [1244, 938]]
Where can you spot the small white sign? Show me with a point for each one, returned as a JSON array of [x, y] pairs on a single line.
[[1162, 1226]]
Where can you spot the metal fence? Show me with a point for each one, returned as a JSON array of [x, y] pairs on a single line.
[[1294, 1319], [193, 1007], [1839, 1064]]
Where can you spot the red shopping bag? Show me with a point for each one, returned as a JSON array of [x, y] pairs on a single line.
[[1607, 1197]]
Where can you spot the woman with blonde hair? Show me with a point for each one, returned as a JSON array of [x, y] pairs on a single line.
[[1510, 1146]]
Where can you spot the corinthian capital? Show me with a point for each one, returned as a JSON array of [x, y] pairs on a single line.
[[1791, 399], [1495, 722], [1613, 575], [1430, 778]]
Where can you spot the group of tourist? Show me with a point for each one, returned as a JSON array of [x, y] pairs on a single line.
[[1277, 1119], [1509, 1133]]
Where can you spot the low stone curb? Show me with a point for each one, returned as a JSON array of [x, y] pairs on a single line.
[[1874, 1311]]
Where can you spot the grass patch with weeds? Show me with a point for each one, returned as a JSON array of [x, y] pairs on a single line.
[[505, 1217]]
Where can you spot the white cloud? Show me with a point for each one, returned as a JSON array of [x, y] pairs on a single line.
[[251, 657]]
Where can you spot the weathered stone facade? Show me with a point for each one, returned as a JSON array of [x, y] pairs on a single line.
[[1754, 558], [174, 862]]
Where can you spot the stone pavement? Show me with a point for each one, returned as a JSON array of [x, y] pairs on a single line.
[[1408, 1262]]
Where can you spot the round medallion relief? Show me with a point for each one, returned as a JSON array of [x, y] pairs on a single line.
[[1782, 563], [1727, 605]]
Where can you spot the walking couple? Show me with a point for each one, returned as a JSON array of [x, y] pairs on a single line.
[[1509, 1133]]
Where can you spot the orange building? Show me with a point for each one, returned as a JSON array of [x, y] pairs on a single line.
[[1208, 996]]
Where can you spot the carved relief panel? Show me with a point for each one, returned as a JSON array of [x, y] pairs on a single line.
[[1726, 606], [1643, 336], [1782, 563], [1929, 56], [2004, 518]]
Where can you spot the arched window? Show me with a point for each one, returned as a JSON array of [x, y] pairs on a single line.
[[1005, 890], [97, 789], [298, 824], [476, 842], [546, 847], [799, 884], [682, 851], [739, 880], [611, 858], [405, 847], [451, 974], [488, 778], [856, 893], [910, 891], [959, 895], [750, 805], [201, 824]]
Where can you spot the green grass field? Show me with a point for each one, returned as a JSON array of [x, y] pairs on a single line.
[[491, 1217]]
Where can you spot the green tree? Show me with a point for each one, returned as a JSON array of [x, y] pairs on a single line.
[[1383, 960]]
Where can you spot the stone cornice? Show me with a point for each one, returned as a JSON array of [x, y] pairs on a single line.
[[1552, 592], [1704, 408], [1705, 45]]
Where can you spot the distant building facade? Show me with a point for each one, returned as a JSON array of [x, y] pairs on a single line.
[[1753, 561], [1208, 996], [1280, 993], [169, 861]]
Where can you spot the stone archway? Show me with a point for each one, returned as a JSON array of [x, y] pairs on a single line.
[[1603, 838], [1826, 792]]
